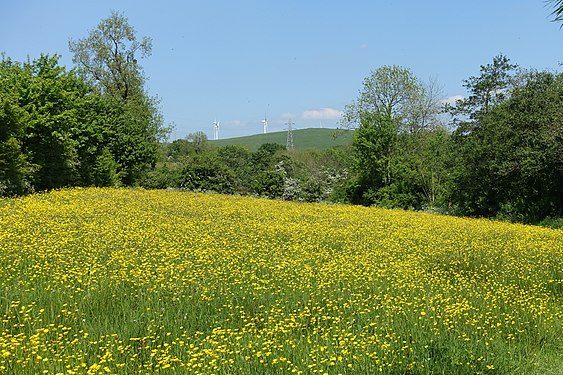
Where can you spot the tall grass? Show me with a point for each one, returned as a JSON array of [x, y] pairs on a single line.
[[132, 281]]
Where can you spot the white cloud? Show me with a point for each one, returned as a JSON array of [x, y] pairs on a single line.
[[451, 100], [322, 114], [287, 116], [233, 123]]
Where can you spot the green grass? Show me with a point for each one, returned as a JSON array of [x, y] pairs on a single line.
[[138, 282], [552, 222], [303, 139]]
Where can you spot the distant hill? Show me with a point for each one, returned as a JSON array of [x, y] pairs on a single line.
[[303, 139]]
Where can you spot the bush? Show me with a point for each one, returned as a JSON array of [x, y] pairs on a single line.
[[207, 173], [552, 222], [269, 183]]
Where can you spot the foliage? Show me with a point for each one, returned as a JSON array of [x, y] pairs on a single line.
[[104, 172], [206, 172], [387, 91], [557, 10], [511, 162], [423, 165], [129, 281], [136, 131], [107, 57], [15, 170], [322, 174], [61, 129], [198, 141], [194, 143], [45, 95], [239, 160], [373, 145], [487, 90], [269, 183], [399, 147], [393, 92], [552, 222]]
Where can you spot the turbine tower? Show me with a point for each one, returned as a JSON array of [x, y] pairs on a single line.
[[265, 123], [216, 129], [289, 144]]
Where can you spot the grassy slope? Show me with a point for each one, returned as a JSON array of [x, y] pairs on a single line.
[[314, 138]]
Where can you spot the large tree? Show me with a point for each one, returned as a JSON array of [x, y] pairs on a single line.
[[47, 99], [393, 92], [511, 160], [473, 191], [490, 88], [108, 56], [394, 114], [131, 122]]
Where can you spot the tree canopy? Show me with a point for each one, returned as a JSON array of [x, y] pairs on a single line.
[[108, 56], [90, 126]]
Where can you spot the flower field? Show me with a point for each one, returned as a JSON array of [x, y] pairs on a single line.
[[102, 281]]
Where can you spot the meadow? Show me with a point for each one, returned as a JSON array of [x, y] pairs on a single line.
[[122, 281]]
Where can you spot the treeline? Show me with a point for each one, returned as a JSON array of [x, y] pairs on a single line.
[[58, 130], [498, 154], [92, 125], [271, 171]]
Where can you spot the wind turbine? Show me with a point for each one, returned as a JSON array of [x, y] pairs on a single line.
[[265, 123], [216, 129]]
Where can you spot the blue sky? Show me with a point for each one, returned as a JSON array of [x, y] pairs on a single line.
[[305, 60]]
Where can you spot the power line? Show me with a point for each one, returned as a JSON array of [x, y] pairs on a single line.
[[289, 144]]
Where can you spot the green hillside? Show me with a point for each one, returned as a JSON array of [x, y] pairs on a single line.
[[313, 138]]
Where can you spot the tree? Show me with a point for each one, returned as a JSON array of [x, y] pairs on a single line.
[[269, 183], [487, 90], [108, 56], [267, 156], [425, 108], [394, 110], [387, 91], [206, 172], [422, 167], [15, 170], [511, 165], [238, 159], [557, 12], [97, 116], [47, 98], [473, 191], [133, 128], [198, 141], [104, 171], [373, 146], [394, 92]]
